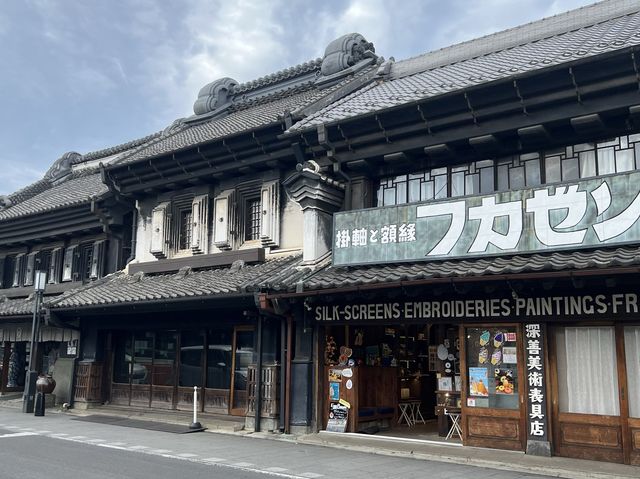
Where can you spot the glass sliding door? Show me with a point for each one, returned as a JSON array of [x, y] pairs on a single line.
[[587, 402], [632, 363], [122, 368], [219, 367], [164, 373], [587, 371], [191, 366], [243, 349]]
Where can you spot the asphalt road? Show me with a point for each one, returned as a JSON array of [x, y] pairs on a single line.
[[57, 446]]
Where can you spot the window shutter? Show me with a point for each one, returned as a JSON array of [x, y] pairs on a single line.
[[225, 220], [55, 266], [160, 230], [200, 230], [30, 268], [270, 220], [18, 270], [69, 260], [97, 259]]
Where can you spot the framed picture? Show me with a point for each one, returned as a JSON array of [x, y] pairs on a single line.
[[445, 384]]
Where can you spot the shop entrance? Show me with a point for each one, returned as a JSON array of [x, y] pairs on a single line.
[[596, 392], [397, 380]]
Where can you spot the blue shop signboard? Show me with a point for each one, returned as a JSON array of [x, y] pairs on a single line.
[[586, 213]]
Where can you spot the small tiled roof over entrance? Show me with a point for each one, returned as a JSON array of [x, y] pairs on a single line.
[[586, 32], [331, 277], [121, 288], [15, 307]]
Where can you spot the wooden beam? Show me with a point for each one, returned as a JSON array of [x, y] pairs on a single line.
[[588, 124], [439, 151], [253, 255], [485, 144], [394, 158], [534, 135]]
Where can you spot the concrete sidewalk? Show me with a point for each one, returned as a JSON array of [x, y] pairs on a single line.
[[473, 456], [387, 446]]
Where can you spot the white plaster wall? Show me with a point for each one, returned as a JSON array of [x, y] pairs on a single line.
[[291, 224], [143, 238]]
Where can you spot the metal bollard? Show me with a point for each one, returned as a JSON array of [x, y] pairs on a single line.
[[195, 424]]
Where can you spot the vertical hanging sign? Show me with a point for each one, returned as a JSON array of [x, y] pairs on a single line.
[[537, 430]]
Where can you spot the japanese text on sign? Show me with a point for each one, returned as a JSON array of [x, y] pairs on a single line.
[[586, 213], [535, 381]]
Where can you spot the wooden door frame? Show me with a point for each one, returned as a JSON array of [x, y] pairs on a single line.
[[595, 419], [236, 411], [494, 412]]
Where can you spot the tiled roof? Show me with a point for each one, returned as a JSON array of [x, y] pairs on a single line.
[[277, 77], [121, 288], [586, 32], [245, 115], [331, 277], [123, 147], [81, 188], [262, 114], [16, 307]]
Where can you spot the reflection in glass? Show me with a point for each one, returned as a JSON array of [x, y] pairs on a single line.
[[243, 358], [219, 359], [191, 349], [164, 358]]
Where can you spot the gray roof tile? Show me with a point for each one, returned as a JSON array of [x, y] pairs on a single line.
[[329, 277], [16, 307], [593, 30], [79, 189], [121, 288]]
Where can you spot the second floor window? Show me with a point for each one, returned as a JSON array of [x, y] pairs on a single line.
[[569, 163], [252, 220], [185, 229]]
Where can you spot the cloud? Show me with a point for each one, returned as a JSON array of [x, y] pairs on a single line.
[[16, 176], [242, 40]]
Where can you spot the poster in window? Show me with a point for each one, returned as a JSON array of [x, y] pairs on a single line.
[[478, 380], [334, 391], [509, 355], [504, 381]]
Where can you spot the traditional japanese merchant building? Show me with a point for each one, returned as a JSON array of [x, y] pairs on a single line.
[[59, 225], [485, 200], [214, 227]]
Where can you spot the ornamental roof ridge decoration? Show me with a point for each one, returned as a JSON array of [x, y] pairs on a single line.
[[341, 55], [586, 32]]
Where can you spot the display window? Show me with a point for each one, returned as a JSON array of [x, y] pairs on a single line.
[[492, 367]]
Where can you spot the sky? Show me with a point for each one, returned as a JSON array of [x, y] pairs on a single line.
[[84, 75]]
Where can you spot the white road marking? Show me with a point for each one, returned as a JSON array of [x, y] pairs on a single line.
[[59, 434], [95, 441], [276, 469], [160, 451], [78, 438], [243, 464], [213, 459], [311, 475], [18, 434], [138, 448], [186, 455]]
